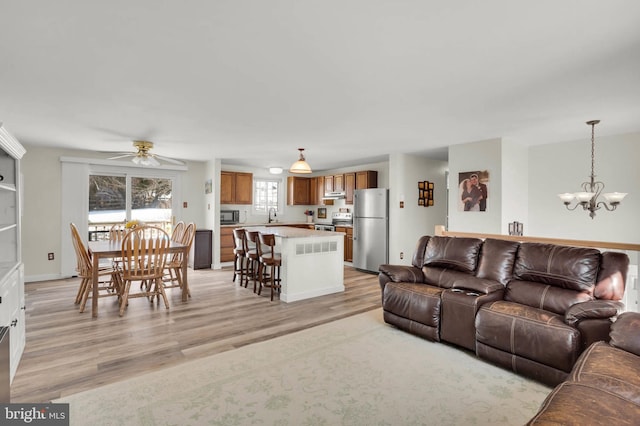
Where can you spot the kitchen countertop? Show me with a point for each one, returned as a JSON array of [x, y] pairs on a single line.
[[272, 224], [266, 224], [284, 231]]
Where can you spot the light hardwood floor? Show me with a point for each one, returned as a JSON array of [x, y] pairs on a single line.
[[68, 352]]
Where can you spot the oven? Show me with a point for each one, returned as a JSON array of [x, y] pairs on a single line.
[[324, 227]]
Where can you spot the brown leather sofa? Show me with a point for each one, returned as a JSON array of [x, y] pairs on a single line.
[[529, 307], [604, 384]]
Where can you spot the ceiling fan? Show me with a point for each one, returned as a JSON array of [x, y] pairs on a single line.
[[145, 158]]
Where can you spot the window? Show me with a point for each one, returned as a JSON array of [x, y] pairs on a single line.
[[116, 198], [266, 195]]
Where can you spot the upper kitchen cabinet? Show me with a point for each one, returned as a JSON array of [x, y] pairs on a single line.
[[349, 187], [366, 179], [236, 188], [338, 183], [299, 191], [328, 184], [359, 180]]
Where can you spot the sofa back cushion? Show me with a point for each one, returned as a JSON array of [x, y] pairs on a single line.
[[496, 260], [460, 254], [573, 268], [544, 296], [418, 253], [612, 276]]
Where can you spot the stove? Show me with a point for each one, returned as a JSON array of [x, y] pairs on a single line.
[[324, 227], [342, 219], [337, 219]]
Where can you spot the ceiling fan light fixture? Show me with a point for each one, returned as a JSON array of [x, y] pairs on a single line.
[[301, 166]]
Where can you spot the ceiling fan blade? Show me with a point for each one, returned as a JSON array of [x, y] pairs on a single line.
[[168, 160], [123, 155]]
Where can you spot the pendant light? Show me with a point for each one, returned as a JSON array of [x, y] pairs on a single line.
[[300, 166]]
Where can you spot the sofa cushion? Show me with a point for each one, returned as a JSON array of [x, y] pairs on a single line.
[[496, 260], [579, 404], [529, 333], [417, 302], [443, 278], [544, 296], [609, 368], [402, 273], [418, 254], [573, 268], [625, 332], [611, 277], [460, 254]]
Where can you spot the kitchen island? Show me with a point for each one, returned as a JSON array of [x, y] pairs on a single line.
[[312, 261]]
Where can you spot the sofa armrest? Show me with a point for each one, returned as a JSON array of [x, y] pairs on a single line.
[[402, 273], [478, 285], [593, 309], [625, 332]]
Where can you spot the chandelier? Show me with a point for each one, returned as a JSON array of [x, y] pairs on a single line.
[[588, 197]]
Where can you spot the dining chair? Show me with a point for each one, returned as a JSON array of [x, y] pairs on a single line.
[[117, 232], [270, 263], [178, 231], [144, 255], [173, 268], [109, 282]]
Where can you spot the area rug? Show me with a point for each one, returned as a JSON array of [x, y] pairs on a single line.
[[354, 371]]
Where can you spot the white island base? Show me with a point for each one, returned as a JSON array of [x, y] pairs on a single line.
[[312, 261]]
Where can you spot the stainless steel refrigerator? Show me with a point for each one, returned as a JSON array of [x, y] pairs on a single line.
[[370, 228]]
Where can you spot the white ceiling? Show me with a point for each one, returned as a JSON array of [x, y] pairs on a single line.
[[250, 81]]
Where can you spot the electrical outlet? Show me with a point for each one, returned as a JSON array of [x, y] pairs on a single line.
[[50, 256], [401, 255]]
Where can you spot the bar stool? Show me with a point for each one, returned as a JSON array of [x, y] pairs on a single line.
[[240, 257], [251, 250], [270, 261]]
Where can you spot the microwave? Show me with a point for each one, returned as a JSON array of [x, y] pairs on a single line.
[[229, 217]]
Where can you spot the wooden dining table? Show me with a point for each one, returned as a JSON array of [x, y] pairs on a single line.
[[111, 249]]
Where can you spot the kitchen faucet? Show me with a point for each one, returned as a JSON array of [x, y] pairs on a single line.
[[274, 214]]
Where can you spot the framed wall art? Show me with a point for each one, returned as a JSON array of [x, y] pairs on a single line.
[[473, 191], [425, 193]]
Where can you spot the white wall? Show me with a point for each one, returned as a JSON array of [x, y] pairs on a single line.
[[515, 184], [42, 229], [407, 224], [476, 156]]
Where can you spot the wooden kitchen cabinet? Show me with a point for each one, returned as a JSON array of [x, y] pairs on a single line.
[[348, 242], [366, 179], [349, 187], [338, 183], [226, 243], [298, 191], [236, 188], [328, 184]]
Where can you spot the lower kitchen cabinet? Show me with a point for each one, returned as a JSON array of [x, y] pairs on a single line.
[[348, 242], [201, 250], [226, 243]]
